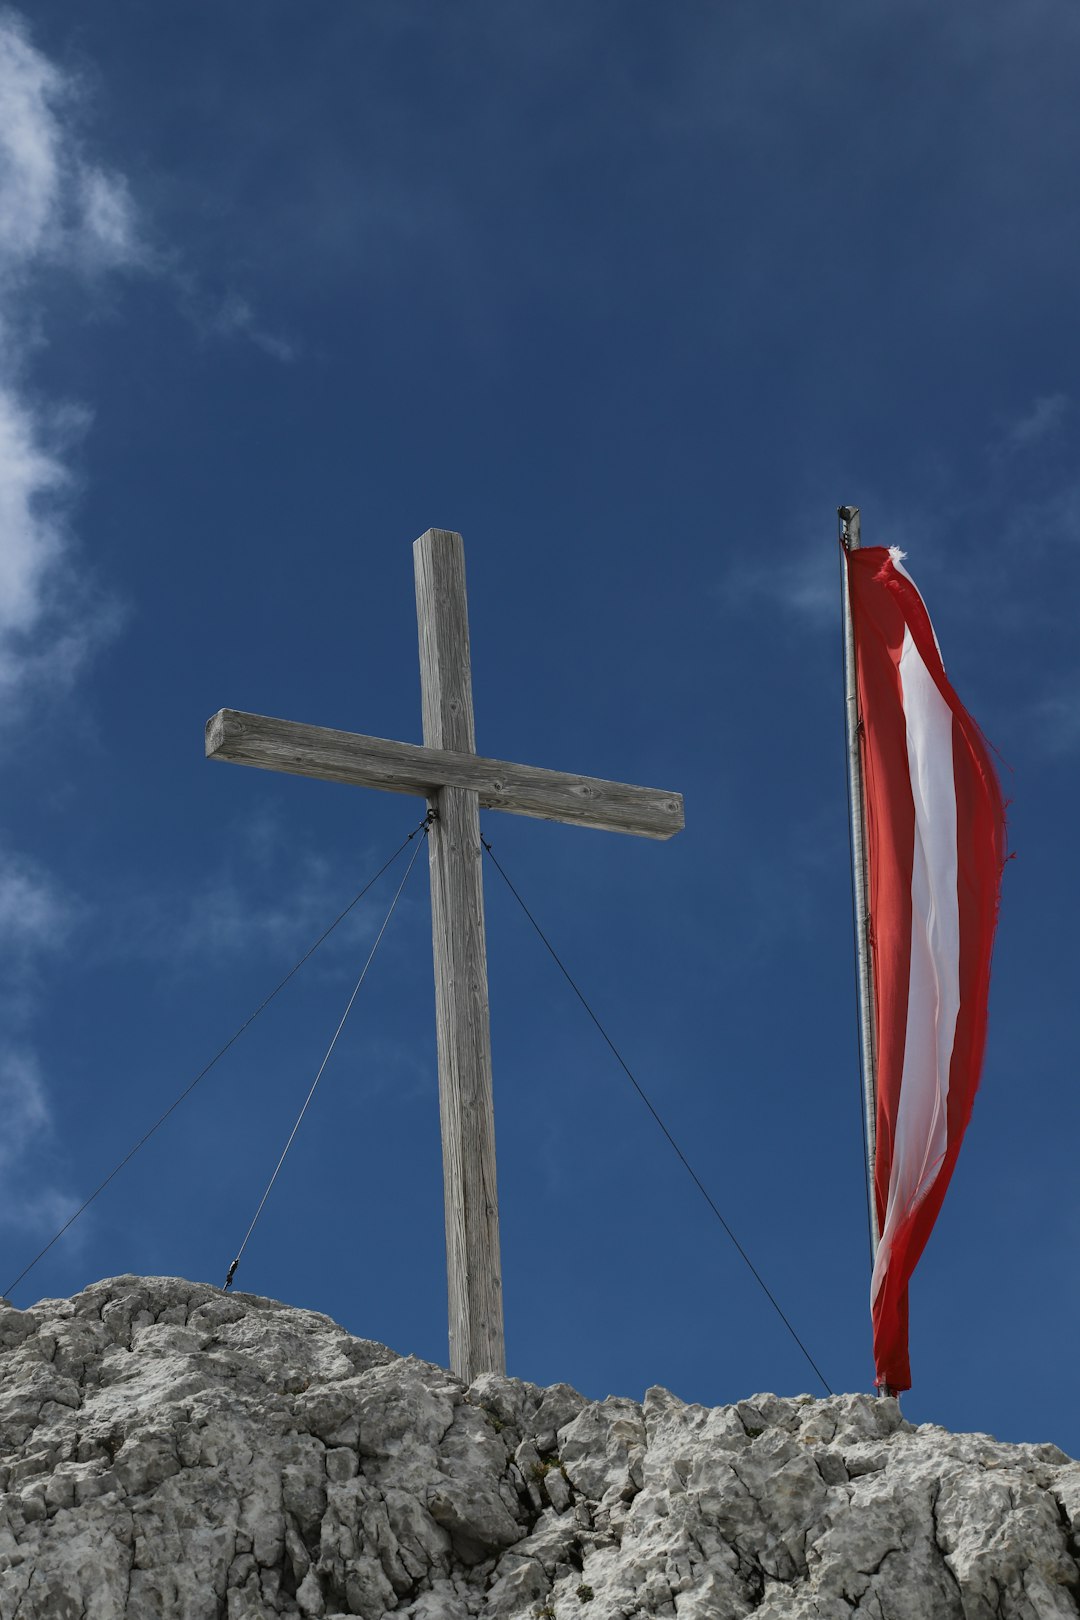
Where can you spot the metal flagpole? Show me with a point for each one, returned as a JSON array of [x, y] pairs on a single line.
[[850, 539]]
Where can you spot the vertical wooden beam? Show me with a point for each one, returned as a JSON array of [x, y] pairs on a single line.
[[463, 1026]]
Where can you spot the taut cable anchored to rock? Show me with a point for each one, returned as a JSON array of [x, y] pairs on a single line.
[[326, 1058], [687, 1166], [218, 1055]]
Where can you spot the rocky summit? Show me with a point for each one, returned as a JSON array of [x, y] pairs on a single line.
[[167, 1450]]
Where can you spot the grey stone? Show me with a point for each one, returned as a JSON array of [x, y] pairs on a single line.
[[558, 1491], [171, 1453]]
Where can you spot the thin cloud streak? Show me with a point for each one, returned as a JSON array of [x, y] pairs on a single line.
[[807, 588], [34, 914], [37, 920], [270, 905], [54, 205], [29, 1201], [1056, 719], [1042, 421], [236, 318], [57, 210]]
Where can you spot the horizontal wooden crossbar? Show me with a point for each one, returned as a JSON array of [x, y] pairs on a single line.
[[524, 790]]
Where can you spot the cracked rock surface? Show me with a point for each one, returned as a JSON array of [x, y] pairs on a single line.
[[169, 1452]]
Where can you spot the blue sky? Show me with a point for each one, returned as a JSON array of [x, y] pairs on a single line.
[[633, 296]]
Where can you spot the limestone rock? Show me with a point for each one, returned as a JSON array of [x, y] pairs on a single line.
[[168, 1452]]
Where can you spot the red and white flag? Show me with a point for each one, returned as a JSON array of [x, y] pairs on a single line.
[[936, 846]]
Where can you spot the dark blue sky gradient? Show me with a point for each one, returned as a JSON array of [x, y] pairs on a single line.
[[633, 296]]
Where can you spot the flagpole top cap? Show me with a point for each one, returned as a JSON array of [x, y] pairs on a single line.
[[850, 536]]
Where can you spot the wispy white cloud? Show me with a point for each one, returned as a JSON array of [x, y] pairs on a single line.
[[1043, 420], [60, 210], [980, 545], [797, 569], [29, 1202], [57, 210], [1046, 517], [32, 541], [22, 1100], [231, 916], [53, 613], [108, 236], [801, 577], [37, 919], [55, 205], [1054, 719], [35, 915], [235, 317], [263, 899], [805, 586], [946, 527]]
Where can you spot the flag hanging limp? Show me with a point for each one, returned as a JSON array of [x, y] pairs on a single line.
[[935, 823]]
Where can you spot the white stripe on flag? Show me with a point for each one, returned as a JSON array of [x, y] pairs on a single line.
[[898, 563], [934, 982]]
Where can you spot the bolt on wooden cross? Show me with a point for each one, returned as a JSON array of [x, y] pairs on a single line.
[[456, 781]]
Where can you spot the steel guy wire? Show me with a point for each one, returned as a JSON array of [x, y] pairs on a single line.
[[564, 970], [188, 1089], [333, 1042]]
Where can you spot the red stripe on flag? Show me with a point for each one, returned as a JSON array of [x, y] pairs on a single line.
[[889, 622]]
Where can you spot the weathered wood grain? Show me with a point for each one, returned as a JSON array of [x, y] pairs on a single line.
[[524, 790], [474, 1273], [457, 782]]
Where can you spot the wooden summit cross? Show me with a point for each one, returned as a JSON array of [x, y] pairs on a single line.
[[456, 781]]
